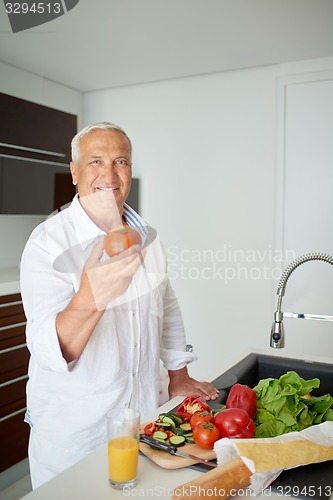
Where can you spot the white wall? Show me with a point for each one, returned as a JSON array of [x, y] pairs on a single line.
[[305, 223], [19, 83], [15, 229], [205, 149]]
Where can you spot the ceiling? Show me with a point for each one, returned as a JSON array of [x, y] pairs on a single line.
[[108, 43]]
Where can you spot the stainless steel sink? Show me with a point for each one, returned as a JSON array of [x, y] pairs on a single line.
[[314, 480]]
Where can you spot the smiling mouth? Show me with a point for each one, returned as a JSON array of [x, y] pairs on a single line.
[[106, 189]]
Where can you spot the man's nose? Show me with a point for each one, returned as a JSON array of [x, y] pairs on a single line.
[[109, 171]]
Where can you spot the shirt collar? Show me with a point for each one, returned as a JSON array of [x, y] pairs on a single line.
[[134, 220], [87, 230]]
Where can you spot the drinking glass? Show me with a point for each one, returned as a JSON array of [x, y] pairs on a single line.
[[123, 429]]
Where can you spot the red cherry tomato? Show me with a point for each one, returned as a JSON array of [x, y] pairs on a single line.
[[120, 239], [205, 434], [235, 423], [200, 416]]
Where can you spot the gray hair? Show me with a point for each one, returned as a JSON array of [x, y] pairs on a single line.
[[75, 144]]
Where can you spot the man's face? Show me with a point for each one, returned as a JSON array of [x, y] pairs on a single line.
[[104, 169]]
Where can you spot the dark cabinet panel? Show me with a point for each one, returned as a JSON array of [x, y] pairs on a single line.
[[37, 131], [14, 364], [33, 188], [13, 336], [35, 143], [14, 434], [14, 359], [12, 397]]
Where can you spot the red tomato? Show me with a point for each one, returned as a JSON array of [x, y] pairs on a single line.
[[120, 239], [201, 416], [191, 405], [235, 423], [205, 434], [149, 429]]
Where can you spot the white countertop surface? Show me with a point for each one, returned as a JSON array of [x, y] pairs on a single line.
[[9, 280], [88, 479]]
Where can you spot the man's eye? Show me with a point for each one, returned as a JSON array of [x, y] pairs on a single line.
[[121, 162], [95, 162]]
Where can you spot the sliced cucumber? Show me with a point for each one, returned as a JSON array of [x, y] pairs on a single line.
[[164, 425], [176, 418], [177, 440], [160, 435], [178, 431], [189, 439], [185, 427], [168, 420]]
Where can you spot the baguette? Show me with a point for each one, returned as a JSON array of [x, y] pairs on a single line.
[[222, 482]]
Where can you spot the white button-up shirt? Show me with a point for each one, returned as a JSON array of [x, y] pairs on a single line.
[[67, 402]]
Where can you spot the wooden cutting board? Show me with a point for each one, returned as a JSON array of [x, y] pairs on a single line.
[[167, 461]]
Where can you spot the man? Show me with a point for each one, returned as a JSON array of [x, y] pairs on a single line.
[[97, 327]]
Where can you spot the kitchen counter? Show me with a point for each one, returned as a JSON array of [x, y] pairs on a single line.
[[88, 479]]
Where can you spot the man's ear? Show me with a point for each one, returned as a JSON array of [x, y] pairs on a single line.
[[73, 172]]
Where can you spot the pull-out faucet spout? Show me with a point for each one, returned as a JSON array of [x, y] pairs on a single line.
[[277, 331]]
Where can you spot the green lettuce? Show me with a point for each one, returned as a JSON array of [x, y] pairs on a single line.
[[286, 405]]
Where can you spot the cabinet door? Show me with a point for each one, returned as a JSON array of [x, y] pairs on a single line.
[[31, 130], [35, 154], [14, 358]]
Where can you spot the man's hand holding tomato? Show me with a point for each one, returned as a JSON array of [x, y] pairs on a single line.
[[109, 279]]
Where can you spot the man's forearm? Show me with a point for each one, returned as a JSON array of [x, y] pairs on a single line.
[[75, 325]]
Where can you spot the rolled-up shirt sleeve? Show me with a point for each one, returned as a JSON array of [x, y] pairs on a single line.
[[45, 292], [173, 345]]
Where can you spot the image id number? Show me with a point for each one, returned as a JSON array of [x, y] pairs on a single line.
[[34, 8], [309, 491]]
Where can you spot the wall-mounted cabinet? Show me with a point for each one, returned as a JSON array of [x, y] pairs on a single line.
[[31, 130], [34, 157]]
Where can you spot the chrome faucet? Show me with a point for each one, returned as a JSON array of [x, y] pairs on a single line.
[[277, 331]]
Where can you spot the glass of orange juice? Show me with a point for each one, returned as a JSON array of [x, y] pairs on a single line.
[[123, 428]]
